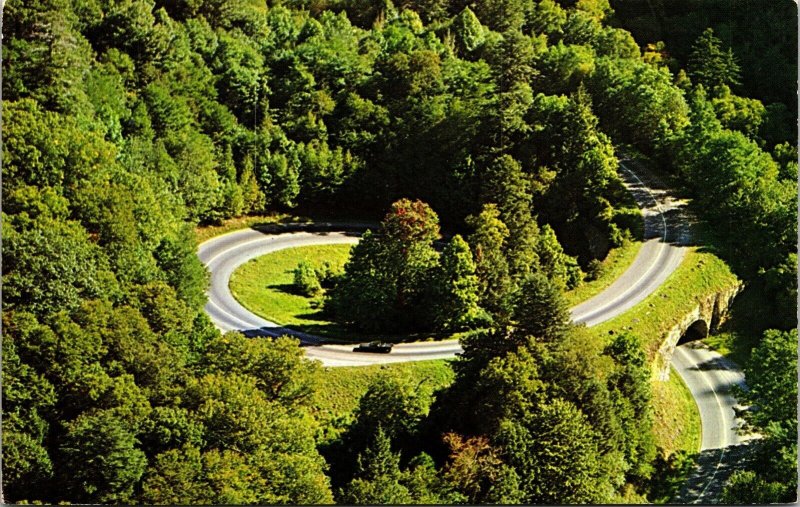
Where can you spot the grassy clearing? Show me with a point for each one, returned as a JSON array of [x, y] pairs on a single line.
[[207, 232], [677, 419], [700, 274], [264, 286], [615, 263], [339, 389]]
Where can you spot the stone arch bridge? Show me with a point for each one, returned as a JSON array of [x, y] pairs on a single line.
[[705, 318]]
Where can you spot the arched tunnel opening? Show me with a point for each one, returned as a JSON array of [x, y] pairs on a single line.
[[697, 331]]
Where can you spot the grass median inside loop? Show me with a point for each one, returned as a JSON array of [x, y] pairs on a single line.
[[264, 286]]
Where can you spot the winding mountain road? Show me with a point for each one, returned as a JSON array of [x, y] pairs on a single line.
[[666, 236]]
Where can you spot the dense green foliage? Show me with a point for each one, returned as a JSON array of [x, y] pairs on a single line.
[[128, 122], [396, 281], [733, 156], [761, 35], [387, 280], [772, 381]]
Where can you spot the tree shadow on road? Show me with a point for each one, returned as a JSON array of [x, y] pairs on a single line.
[[712, 470]]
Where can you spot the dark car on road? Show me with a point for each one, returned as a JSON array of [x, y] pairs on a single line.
[[378, 347]]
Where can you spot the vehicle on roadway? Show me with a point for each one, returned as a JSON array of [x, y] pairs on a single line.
[[378, 347]]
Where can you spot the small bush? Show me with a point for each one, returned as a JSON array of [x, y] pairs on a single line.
[[594, 270], [574, 273], [328, 274], [306, 281]]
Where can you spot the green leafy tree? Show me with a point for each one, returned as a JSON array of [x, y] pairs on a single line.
[[739, 113], [392, 404], [275, 440], [51, 57], [393, 269], [508, 386], [115, 462], [189, 476], [491, 267], [364, 295], [502, 15], [559, 267], [746, 487], [507, 186], [57, 251], [426, 485], [781, 286], [564, 67], [176, 257], [540, 309], [468, 31], [554, 452], [636, 101], [771, 379], [630, 386], [547, 17], [28, 398], [771, 376], [578, 171], [279, 366]]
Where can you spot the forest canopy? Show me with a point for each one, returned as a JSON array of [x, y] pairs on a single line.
[[128, 123]]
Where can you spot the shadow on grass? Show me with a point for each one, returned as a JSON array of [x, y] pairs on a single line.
[[287, 288]]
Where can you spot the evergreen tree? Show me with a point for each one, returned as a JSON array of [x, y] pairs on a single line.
[[378, 477], [364, 296], [457, 294], [507, 186], [491, 267], [711, 66], [630, 387], [468, 31], [560, 268], [554, 452], [540, 310]]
